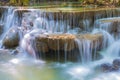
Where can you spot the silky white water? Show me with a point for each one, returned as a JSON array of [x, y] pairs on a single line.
[[24, 67]]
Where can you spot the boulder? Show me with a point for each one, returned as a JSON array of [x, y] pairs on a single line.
[[11, 39], [116, 64], [106, 67]]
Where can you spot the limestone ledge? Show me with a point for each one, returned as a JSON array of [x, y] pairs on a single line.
[[65, 42]]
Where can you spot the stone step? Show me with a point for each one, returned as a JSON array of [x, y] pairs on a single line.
[[50, 45], [111, 25], [59, 41]]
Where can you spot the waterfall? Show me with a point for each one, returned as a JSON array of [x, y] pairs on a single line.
[[9, 18], [47, 23], [40, 21], [74, 47], [37, 22], [10, 21], [85, 50]]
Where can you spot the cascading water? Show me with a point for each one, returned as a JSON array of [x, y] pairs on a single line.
[[35, 22], [10, 20], [107, 25], [107, 38], [85, 50]]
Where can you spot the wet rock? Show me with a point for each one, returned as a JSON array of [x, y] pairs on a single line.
[[92, 37], [11, 39], [83, 18], [2, 11], [109, 24], [95, 39], [1, 28], [106, 67], [65, 41], [56, 41], [116, 64], [63, 45]]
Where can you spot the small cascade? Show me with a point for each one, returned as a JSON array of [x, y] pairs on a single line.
[[108, 39], [9, 18], [39, 21], [85, 50], [86, 24], [110, 25], [113, 51], [46, 23], [26, 46], [101, 25]]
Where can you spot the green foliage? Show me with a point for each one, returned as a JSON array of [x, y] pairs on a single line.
[[80, 0], [19, 2]]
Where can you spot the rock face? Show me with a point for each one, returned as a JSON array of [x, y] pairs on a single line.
[[11, 40], [63, 45]]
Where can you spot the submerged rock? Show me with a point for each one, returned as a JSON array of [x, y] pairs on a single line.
[[11, 39]]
